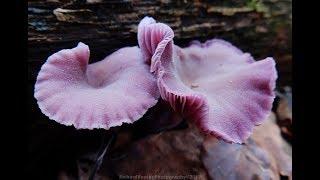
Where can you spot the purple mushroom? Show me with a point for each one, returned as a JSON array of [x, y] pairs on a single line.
[[116, 90], [221, 89], [224, 91]]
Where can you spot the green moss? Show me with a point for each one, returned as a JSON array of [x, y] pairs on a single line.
[[257, 5]]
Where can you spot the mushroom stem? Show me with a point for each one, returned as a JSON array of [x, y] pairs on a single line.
[[105, 146]]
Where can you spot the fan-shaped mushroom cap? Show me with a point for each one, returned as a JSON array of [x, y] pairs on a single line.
[[223, 90], [155, 41], [116, 90]]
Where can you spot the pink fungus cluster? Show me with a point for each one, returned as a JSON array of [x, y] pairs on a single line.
[[214, 85]]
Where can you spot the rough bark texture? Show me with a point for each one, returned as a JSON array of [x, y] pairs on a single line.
[[260, 27]]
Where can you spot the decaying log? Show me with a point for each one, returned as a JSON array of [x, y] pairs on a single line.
[[260, 27]]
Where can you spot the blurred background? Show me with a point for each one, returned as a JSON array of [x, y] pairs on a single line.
[[260, 27]]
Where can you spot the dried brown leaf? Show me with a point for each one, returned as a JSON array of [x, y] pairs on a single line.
[[264, 156]]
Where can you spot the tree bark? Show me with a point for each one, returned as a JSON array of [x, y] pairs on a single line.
[[262, 28]]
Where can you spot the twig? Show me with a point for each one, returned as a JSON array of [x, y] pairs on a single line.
[[103, 149]]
